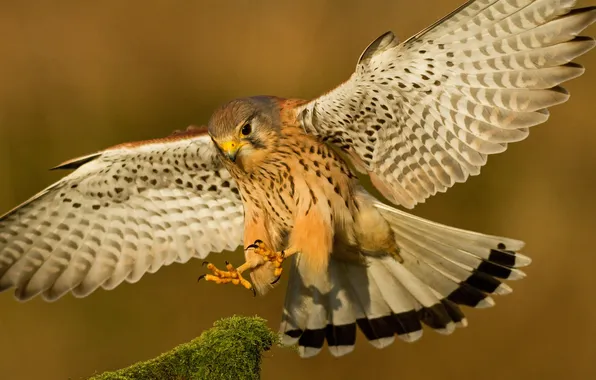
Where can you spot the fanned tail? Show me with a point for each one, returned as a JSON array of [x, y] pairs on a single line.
[[443, 268]]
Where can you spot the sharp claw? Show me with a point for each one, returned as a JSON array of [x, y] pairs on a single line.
[[225, 277], [275, 281], [205, 263], [251, 246], [283, 254], [258, 241]]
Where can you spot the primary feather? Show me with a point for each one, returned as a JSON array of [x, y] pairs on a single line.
[[123, 212], [424, 114]]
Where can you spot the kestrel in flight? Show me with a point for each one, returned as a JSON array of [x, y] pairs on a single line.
[[280, 177]]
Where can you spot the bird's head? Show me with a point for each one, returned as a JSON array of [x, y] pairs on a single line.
[[246, 130]]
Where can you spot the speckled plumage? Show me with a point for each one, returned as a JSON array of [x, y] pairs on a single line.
[[424, 114], [132, 209], [279, 176]]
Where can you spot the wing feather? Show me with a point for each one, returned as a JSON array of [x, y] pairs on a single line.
[[423, 115], [123, 212]]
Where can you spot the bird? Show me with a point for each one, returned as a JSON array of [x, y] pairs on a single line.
[[283, 179]]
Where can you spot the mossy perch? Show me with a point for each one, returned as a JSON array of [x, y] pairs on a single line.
[[232, 349]]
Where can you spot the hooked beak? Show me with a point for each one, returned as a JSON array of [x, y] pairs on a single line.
[[230, 149]]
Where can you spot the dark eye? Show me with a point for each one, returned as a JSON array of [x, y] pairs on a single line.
[[246, 129]]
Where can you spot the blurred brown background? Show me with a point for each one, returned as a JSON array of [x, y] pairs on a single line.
[[77, 76]]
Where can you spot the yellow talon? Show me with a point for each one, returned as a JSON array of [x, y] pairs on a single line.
[[232, 275], [276, 258]]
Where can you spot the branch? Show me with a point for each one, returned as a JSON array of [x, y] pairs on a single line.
[[231, 349]]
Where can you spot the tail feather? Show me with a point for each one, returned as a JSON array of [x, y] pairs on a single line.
[[487, 247], [443, 268], [459, 258], [455, 313], [296, 300], [444, 283], [433, 313], [443, 258], [403, 305], [341, 329], [377, 329]]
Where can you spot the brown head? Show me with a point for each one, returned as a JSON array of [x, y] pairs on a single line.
[[246, 130]]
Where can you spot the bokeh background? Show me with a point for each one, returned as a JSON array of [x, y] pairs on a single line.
[[77, 76]]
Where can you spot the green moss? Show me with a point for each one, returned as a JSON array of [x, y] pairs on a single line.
[[232, 349]]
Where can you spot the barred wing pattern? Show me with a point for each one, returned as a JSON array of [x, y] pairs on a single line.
[[422, 115], [125, 211]]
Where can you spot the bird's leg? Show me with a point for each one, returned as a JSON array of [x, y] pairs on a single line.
[[276, 258], [231, 275], [234, 275]]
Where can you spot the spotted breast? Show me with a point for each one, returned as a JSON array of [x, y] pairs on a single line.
[[298, 175]]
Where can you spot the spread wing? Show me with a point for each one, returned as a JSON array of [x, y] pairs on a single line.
[[424, 114], [123, 212]]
